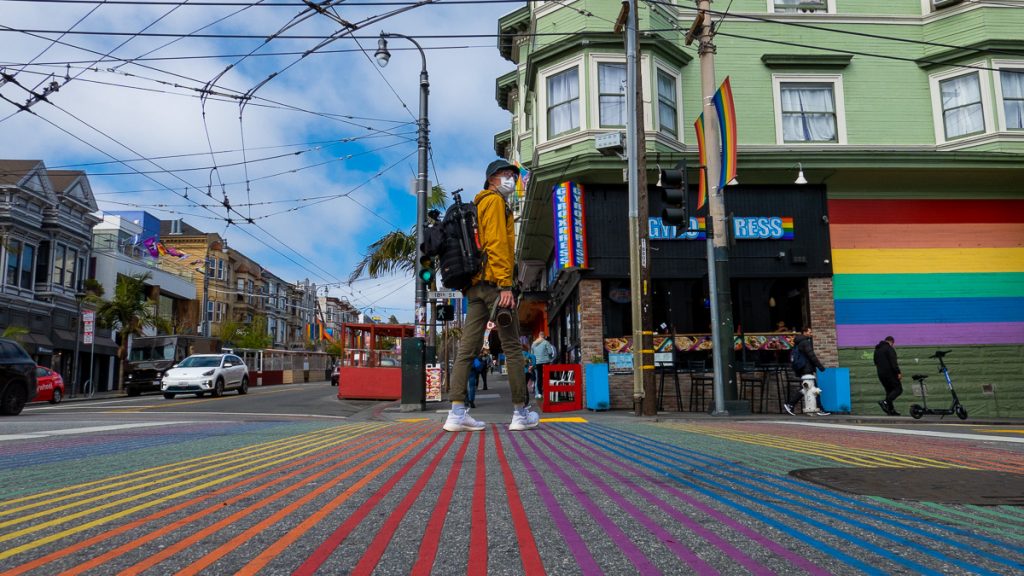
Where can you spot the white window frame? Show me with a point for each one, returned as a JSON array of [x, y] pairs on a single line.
[[829, 9], [542, 99], [1016, 66], [984, 80], [596, 90], [656, 100], [837, 96]]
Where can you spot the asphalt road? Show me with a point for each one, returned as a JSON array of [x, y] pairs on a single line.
[[290, 480]]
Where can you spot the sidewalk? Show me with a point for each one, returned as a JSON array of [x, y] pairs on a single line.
[[494, 406]]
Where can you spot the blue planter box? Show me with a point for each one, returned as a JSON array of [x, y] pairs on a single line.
[[595, 381], [835, 389]]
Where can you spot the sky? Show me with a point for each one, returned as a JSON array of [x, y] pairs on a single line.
[[321, 158]]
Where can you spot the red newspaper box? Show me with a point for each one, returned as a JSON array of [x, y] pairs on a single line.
[[562, 388]]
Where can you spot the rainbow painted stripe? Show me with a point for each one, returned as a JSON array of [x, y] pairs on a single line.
[[787, 227], [727, 129], [702, 195], [928, 272]]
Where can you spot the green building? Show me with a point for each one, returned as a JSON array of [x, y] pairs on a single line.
[[880, 188]]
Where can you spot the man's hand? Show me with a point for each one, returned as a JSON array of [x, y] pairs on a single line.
[[506, 299]]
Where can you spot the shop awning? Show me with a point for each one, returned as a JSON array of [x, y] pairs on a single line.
[[64, 339], [38, 344]]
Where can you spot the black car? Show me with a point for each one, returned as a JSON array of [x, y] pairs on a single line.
[[17, 377]]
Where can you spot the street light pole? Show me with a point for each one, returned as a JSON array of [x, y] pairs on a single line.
[[423, 143]]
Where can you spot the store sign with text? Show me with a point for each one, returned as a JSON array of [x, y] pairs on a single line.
[[743, 228]]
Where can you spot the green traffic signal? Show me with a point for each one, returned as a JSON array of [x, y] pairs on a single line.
[[426, 269]]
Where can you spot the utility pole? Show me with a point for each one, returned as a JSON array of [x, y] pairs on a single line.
[[644, 396], [717, 228]]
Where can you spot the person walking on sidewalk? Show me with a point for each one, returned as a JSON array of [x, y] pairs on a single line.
[[492, 287], [530, 362], [544, 352], [889, 374], [805, 348]]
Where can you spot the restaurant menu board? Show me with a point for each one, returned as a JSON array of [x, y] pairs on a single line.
[[620, 362], [702, 342], [434, 380]]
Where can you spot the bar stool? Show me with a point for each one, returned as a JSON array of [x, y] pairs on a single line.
[[752, 379], [661, 388], [701, 384]]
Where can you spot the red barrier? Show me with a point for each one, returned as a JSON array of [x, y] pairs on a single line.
[[562, 388]]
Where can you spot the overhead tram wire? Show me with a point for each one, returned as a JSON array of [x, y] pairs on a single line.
[[265, 177], [173, 191], [534, 34], [208, 3], [311, 146], [55, 40], [344, 119], [234, 164], [74, 63], [316, 8], [308, 201], [111, 51]]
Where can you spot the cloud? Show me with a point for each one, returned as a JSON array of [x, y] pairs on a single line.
[[150, 108]]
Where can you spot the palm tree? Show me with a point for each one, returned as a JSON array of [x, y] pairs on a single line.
[[396, 251], [14, 332], [129, 312]]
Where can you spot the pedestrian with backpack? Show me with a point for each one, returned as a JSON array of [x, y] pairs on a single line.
[[804, 361], [491, 289]]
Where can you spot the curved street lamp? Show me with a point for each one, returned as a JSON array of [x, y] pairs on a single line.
[[383, 56]]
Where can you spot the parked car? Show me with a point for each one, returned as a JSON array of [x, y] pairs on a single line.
[[17, 377], [334, 375], [49, 385], [202, 373]]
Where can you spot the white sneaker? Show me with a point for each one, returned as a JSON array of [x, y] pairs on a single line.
[[823, 413], [524, 419], [537, 396], [789, 409], [462, 422]]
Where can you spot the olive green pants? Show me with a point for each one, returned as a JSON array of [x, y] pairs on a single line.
[[481, 298]]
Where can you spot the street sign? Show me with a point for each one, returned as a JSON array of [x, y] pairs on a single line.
[[444, 295], [88, 326]]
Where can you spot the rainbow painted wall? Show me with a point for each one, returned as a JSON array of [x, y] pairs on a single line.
[[928, 272]]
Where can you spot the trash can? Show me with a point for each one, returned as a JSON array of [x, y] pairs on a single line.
[[835, 390], [596, 385]]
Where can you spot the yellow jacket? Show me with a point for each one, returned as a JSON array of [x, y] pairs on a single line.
[[497, 239]]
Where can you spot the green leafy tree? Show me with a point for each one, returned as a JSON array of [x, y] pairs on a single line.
[[129, 312], [15, 332], [255, 335], [396, 251], [230, 332]]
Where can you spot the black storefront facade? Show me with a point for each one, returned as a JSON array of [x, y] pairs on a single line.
[[780, 268]]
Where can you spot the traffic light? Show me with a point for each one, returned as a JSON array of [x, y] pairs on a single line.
[[445, 313], [673, 186], [427, 271]]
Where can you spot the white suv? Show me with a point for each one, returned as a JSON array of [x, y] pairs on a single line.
[[202, 373]]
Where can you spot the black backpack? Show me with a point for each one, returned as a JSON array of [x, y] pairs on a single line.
[[455, 242], [797, 360]]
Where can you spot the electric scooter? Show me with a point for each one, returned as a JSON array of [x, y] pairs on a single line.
[[916, 410]]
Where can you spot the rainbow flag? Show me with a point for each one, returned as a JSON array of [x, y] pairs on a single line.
[[787, 227], [702, 195], [727, 129], [523, 181]]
